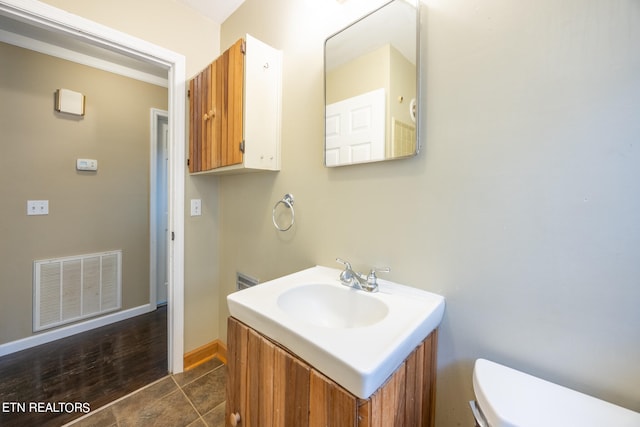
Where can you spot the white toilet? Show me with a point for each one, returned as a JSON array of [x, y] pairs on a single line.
[[509, 398]]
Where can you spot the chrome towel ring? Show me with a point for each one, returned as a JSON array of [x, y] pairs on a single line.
[[287, 201]]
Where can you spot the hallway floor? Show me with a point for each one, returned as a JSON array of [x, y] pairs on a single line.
[[55, 383]]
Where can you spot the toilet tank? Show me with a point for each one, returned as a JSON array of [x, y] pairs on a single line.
[[506, 397]]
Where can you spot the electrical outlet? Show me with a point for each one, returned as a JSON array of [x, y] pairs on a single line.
[[196, 207], [37, 207]]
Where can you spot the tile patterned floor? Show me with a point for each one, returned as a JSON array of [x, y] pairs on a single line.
[[194, 398]]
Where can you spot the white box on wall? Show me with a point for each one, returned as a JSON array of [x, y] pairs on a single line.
[[69, 102]]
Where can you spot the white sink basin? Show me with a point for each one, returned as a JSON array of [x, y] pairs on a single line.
[[332, 307], [356, 338]]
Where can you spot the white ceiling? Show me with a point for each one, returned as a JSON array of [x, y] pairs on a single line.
[[217, 10]]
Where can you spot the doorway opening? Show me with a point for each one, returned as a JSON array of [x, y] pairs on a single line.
[[39, 22], [159, 208]]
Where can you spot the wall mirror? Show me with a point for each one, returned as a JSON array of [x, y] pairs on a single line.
[[372, 87]]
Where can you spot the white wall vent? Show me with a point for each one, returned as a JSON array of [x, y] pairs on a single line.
[[73, 288], [243, 281]]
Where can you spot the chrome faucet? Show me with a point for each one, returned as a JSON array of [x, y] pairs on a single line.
[[356, 280]]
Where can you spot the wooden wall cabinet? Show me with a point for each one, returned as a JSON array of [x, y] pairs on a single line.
[[269, 387], [235, 111]]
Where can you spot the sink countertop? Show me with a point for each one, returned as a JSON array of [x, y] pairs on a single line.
[[361, 358]]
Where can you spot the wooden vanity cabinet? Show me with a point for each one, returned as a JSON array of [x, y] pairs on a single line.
[[234, 116], [269, 387]]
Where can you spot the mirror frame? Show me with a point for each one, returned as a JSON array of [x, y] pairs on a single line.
[[418, 76]]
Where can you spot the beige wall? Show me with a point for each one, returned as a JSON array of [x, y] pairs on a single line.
[[522, 209], [363, 74], [88, 212], [175, 26], [385, 68], [403, 85]]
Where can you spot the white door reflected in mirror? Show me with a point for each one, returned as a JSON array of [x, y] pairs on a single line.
[[355, 129]]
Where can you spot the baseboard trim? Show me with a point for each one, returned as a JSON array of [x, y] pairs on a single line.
[[215, 349], [76, 328]]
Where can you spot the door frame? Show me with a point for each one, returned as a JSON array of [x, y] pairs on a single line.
[[50, 18]]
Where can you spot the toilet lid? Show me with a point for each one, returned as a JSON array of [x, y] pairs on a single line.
[[510, 398]]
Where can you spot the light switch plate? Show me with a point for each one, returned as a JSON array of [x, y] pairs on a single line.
[[196, 207]]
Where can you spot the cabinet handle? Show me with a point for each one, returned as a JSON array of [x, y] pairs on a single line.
[[234, 419], [206, 117]]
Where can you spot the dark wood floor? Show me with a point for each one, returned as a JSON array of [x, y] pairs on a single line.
[[54, 383]]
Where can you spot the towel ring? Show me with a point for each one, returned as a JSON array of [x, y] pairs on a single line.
[[287, 201]]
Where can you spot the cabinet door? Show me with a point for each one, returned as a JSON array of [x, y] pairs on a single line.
[[216, 112], [208, 114], [290, 390], [200, 122], [266, 386], [237, 359], [229, 100], [195, 123], [407, 398], [330, 404]]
